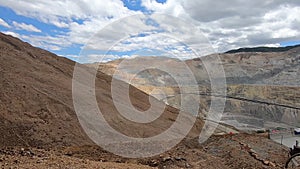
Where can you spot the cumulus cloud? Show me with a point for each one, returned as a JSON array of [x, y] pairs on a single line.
[[103, 58], [226, 25], [171, 7], [54, 43], [61, 13], [82, 19], [3, 23], [164, 35], [27, 27], [12, 34], [238, 23]]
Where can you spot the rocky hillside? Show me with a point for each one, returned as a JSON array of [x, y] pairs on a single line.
[[263, 87], [36, 106], [265, 68]]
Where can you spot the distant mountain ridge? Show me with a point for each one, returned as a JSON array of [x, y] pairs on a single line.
[[263, 49]]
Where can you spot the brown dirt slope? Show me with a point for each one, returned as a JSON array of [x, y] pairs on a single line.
[[35, 99], [36, 107]]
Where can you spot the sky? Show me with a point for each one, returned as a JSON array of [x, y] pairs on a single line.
[[103, 30]]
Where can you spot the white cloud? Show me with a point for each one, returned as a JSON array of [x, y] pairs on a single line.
[[54, 43], [91, 15], [108, 36], [93, 58], [237, 23], [172, 37], [227, 25], [72, 56], [12, 34], [3, 23], [27, 27], [61, 13], [171, 7]]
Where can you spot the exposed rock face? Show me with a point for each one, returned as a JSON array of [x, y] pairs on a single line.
[[149, 76], [263, 87], [270, 68]]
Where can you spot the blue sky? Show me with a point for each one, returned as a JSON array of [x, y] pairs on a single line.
[[290, 43], [134, 5], [66, 27]]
